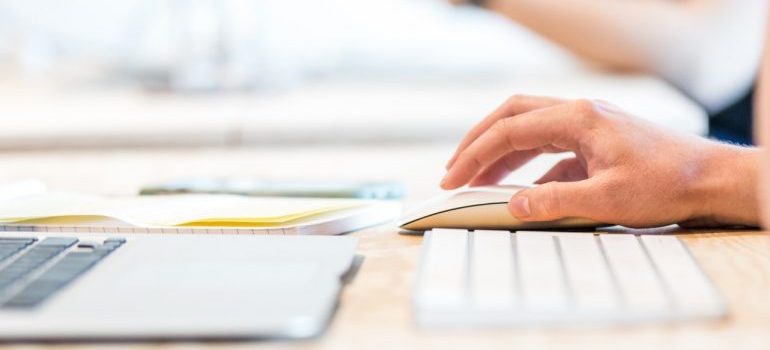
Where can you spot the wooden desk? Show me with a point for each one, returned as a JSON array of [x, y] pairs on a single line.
[[375, 309]]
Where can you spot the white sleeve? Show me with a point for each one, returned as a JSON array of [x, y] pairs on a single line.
[[717, 59]]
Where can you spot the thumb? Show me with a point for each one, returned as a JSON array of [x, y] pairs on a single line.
[[554, 200]]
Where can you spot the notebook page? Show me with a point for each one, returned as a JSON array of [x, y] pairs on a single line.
[[173, 210]]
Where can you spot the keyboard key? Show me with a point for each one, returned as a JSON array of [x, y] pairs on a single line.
[[492, 279], [30, 260], [22, 301], [587, 273], [444, 268], [542, 281], [17, 240], [58, 241], [689, 287], [6, 253], [109, 245], [11, 247], [637, 279]]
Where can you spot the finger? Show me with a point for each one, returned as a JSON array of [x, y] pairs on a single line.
[[566, 170], [504, 166], [557, 200], [516, 104], [562, 127]]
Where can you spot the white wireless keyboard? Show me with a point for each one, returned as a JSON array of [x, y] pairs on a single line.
[[498, 278]]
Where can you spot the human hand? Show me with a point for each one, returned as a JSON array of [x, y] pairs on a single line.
[[625, 171]]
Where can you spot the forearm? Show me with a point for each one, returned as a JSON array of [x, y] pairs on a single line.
[[708, 48], [726, 190], [622, 34]]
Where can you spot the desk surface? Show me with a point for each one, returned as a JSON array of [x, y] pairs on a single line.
[[375, 309]]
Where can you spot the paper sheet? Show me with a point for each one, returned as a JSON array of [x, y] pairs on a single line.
[[171, 210]]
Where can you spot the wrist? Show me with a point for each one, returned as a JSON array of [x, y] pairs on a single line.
[[724, 191]]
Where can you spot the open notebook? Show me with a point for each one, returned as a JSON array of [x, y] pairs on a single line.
[[39, 210]]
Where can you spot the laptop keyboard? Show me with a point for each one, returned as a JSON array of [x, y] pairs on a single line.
[[31, 270], [494, 278]]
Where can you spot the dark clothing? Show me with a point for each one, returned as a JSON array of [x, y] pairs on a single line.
[[734, 123]]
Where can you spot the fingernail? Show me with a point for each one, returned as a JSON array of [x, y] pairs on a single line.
[[444, 181], [519, 207]]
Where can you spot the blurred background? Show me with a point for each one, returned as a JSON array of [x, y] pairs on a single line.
[[148, 73]]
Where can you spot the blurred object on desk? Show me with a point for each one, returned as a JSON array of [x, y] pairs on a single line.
[[330, 111], [92, 74], [259, 187], [204, 45]]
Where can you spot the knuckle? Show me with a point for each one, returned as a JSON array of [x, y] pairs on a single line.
[[501, 127], [516, 99], [585, 110], [474, 162], [502, 130]]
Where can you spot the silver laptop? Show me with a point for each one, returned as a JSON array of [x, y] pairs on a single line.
[[92, 287]]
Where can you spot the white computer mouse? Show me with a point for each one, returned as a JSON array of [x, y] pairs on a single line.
[[480, 208]]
